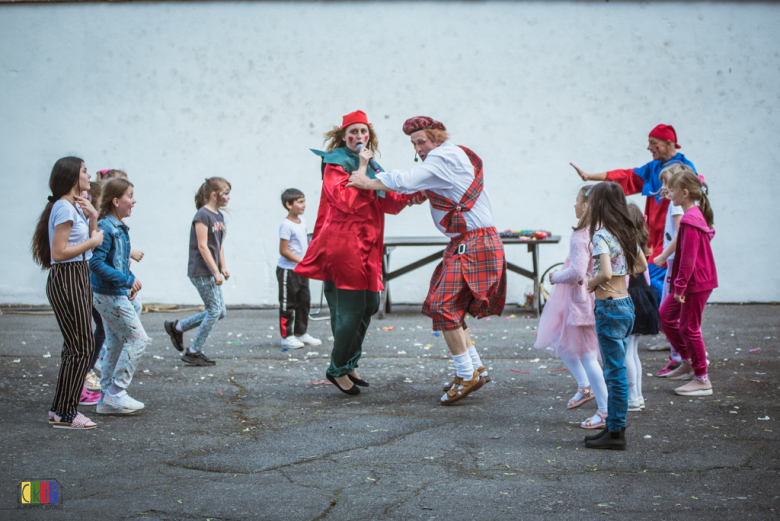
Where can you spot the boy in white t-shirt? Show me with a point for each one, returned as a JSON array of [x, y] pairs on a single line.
[[294, 295], [673, 216]]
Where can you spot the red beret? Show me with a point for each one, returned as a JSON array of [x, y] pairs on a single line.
[[354, 117], [665, 133], [416, 123]]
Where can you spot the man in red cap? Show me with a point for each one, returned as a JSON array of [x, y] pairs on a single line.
[[346, 247], [662, 144], [472, 275]]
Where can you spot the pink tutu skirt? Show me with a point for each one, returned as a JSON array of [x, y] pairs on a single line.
[[556, 336]]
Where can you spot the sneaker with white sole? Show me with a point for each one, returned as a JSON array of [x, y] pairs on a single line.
[[309, 340], [102, 408], [122, 400], [92, 382], [634, 405], [292, 343]]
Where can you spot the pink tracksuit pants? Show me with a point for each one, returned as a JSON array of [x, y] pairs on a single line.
[[685, 336]]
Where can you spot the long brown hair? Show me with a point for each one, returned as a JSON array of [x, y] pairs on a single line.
[[607, 208], [209, 186], [335, 138], [64, 176], [697, 190], [642, 235], [113, 189], [584, 221]]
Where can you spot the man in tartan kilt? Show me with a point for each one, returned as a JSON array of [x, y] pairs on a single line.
[[472, 275]]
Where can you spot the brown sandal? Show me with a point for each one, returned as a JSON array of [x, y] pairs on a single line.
[[455, 395], [481, 369], [587, 395]]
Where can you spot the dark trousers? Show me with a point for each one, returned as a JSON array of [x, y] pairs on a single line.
[[70, 295], [294, 302], [350, 316], [100, 337]]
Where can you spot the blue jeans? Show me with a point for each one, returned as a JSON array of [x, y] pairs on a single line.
[[205, 320], [614, 322]]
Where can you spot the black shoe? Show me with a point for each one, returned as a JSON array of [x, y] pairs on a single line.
[[196, 359], [358, 381], [599, 434], [177, 337], [611, 440], [352, 391]]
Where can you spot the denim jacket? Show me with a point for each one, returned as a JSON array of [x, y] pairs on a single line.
[[110, 263]]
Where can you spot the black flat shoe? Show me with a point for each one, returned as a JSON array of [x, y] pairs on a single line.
[[358, 381], [610, 440], [599, 434], [352, 391]]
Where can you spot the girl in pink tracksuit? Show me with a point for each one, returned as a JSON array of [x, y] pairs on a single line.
[[692, 280]]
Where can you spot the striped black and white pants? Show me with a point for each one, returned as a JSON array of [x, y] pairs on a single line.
[[70, 295]]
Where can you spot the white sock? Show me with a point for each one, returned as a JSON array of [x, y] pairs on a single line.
[[177, 327], [631, 367], [475, 361], [463, 366]]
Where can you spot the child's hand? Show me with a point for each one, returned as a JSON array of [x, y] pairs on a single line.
[[136, 255], [225, 273], [218, 279], [96, 238], [85, 205], [680, 298], [136, 286], [659, 261], [592, 284], [551, 280], [133, 294]]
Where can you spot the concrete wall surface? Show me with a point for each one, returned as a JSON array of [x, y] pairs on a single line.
[[176, 92]]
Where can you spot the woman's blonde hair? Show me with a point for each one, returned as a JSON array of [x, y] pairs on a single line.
[[697, 190], [335, 138]]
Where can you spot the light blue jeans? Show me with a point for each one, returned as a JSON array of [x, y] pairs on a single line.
[[211, 294], [125, 343], [614, 322]]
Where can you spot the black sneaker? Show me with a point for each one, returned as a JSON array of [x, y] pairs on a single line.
[[177, 337], [197, 359]]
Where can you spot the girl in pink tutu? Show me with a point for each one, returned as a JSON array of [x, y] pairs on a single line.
[[567, 327]]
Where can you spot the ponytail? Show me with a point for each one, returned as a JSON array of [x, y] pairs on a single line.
[[64, 175], [705, 206], [211, 185]]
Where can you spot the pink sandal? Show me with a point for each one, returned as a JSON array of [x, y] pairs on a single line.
[[587, 425], [587, 395], [80, 422]]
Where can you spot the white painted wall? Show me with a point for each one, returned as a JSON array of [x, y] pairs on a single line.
[[176, 92]]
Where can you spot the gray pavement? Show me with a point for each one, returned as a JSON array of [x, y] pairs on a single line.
[[252, 438]]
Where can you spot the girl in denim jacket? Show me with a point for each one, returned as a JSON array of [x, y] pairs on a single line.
[[616, 254], [114, 287]]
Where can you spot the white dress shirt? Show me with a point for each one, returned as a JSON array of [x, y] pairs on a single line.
[[448, 172]]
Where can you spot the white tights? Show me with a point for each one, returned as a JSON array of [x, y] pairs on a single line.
[[588, 372], [633, 369]]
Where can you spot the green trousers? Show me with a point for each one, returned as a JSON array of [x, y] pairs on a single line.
[[350, 315]]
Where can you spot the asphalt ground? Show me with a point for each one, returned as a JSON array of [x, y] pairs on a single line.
[[252, 438]]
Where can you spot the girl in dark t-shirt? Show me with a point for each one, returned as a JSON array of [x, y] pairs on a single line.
[[206, 269]]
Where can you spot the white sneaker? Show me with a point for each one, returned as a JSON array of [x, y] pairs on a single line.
[[641, 402], [122, 400], [634, 405], [292, 343], [309, 340]]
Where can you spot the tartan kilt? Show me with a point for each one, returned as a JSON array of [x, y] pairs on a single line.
[[473, 281]]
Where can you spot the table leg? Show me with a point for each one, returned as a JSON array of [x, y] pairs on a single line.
[[534, 249]]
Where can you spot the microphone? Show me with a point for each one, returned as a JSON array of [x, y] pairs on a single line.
[[371, 162], [415, 157]]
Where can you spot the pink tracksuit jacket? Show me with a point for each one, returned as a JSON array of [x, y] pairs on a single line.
[[693, 269]]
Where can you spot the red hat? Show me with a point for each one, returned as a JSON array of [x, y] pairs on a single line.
[[354, 117], [665, 133], [416, 123]]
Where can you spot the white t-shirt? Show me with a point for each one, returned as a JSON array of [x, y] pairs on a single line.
[[669, 231], [62, 212], [447, 171], [299, 243]]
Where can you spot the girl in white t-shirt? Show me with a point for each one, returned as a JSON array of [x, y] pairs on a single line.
[[673, 216], [63, 242]]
